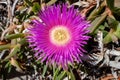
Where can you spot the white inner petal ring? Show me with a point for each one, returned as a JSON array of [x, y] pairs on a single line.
[[59, 35]]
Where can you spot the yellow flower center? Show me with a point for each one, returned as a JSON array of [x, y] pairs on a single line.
[[59, 35]]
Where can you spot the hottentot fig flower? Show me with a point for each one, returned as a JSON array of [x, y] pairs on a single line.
[[60, 36]]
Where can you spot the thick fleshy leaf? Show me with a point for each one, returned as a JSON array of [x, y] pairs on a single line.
[[96, 23], [44, 70], [72, 77], [61, 75], [107, 38], [13, 36], [6, 46], [110, 4], [117, 32], [36, 7], [13, 52], [56, 73]]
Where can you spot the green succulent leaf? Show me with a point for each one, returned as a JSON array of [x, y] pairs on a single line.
[[61, 75], [112, 23], [107, 38], [114, 33], [110, 4], [101, 27], [29, 2], [56, 73], [6, 46], [44, 70], [36, 7], [13, 36], [72, 77], [23, 41], [117, 32], [115, 10], [13, 51], [96, 12], [96, 23]]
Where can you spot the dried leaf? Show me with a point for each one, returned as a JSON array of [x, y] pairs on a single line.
[[51, 2], [16, 64], [2, 42]]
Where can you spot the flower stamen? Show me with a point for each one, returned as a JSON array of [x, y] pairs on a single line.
[[59, 35]]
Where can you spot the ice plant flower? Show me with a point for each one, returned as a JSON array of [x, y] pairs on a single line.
[[60, 37]]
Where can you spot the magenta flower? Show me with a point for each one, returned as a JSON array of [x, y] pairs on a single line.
[[60, 37]]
